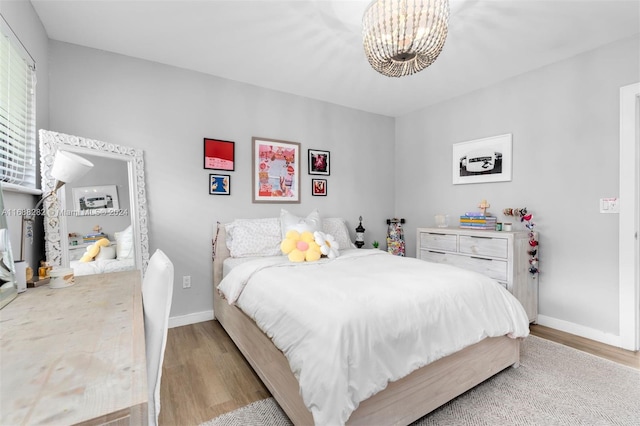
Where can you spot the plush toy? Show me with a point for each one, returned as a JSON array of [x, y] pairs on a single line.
[[328, 245], [93, 250], [300, 247]]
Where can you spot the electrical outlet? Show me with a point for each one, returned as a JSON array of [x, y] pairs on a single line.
[[186, 281]]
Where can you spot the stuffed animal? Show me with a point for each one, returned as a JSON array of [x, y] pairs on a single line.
[[93, 250], [300, 247]]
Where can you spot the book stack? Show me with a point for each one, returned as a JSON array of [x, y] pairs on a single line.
[[476, 220], [92, 238]]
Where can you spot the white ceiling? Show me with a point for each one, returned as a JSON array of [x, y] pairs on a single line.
[[313, 48]]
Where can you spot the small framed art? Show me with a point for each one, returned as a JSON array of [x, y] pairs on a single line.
[[482, 160], [319, 187], [319, 162], [219, 184], [219, 155], [276, 171]]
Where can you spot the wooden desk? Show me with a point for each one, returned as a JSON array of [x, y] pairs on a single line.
[[76, 354]]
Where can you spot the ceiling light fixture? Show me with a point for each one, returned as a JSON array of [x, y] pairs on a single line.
[[402, 37]]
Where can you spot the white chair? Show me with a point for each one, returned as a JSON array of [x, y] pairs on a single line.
[[157, 292]]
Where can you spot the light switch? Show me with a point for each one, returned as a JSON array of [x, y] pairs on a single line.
[[609, 205]]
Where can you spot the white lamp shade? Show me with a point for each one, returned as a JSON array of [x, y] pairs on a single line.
[[68, 167]]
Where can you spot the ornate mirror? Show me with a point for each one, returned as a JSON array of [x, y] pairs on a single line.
[[109, 201]]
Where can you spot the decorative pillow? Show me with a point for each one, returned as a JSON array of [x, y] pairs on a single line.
[[108, 252], [254, 237], [288, 221], [300, 246], [337, 227], [328, 245], [94, 249], [124, 240]]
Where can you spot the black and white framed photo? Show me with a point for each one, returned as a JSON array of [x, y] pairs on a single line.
[[219, 184], [89, 200], [319, 187], [483, 160], [319, 162]]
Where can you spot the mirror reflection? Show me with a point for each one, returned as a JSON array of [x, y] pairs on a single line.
[[97, 223], [99, 230]]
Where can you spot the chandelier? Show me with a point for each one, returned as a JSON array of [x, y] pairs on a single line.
[[402, 37]]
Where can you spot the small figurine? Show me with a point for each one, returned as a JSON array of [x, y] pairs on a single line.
[[483, 206]]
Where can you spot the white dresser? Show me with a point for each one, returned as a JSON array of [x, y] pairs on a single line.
[[498, 254]]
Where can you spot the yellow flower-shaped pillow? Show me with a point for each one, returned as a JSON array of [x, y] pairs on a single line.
[[300, 247], [328, 245]]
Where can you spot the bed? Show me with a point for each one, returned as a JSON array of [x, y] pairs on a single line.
[[403, 400]]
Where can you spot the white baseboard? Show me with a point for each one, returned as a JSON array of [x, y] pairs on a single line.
[[580, 330], [193, 318]]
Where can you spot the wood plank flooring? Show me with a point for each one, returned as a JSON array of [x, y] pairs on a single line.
[[204, 375]]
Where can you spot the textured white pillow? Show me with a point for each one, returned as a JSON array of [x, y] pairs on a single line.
[[336, 227], [124, 241], [288, 221], [254, 237]]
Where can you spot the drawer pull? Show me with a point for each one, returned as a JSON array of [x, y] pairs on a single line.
[[484, 238], [481, 258], [434, 233], [437, 252]]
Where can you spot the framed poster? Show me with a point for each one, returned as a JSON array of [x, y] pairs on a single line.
[[276, 171], [319, 187], [482, 160], [219, 155], [319, 162], [219, 184], [90, 200]]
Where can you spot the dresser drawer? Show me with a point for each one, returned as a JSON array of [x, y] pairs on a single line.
[[437, 257], [484, 246], [435, 241], [496, 269]]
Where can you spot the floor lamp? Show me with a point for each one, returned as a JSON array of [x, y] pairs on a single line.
[[67, 167]]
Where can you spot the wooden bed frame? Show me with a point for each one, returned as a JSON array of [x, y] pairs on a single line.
[[400, 403]]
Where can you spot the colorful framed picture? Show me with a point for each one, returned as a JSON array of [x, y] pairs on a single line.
[[319, 187], [219, 184], [219, 155], [319, 162], [482, 160], [276, 171]]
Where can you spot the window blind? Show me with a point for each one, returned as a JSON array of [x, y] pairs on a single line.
[[17, 112]]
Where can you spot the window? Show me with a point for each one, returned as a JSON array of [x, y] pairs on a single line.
[[17, 112]]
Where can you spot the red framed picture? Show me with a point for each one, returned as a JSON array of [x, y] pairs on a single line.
[[319, 187], [219, 154]]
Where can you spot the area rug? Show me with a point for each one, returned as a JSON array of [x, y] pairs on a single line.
[[554, 385]]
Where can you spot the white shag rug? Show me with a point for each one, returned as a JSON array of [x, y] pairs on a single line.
[[554, 385]]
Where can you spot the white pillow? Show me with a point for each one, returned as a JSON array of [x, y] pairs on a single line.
[[108, 252], [289, 221], [254, 237], [124, 241], [336, 227]]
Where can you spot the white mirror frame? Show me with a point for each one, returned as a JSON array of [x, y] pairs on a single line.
[[56, 234]]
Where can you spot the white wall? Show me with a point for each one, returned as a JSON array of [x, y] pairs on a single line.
[[565, 124], [26, 24], [168, 111]]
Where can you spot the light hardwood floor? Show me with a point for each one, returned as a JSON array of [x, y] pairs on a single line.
[[204, 374]]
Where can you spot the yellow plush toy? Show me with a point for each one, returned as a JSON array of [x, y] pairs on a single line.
[[94, 249], [300, 247]]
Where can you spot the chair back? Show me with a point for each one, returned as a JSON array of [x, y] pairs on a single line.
[[157, 292]]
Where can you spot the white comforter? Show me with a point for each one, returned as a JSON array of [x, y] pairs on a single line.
[[350, 325]]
